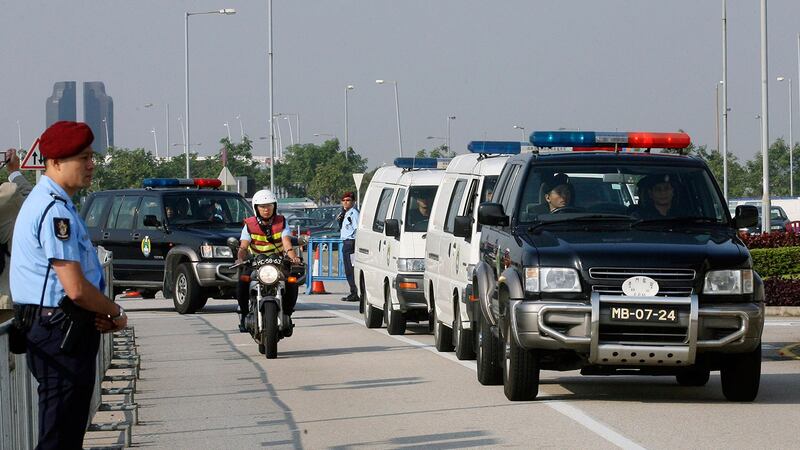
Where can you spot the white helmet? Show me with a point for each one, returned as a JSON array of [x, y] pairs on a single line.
[[264, 197]]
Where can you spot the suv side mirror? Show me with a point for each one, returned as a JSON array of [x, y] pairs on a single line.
[[233, 243], [392, 228], [746, 216], [492, 214], [150, 220], [463, 227]]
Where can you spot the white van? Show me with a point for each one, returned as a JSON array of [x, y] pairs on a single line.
[[390, 242], [449, 259]]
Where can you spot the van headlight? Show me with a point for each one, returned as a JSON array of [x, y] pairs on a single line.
[[728, 282], [268, 274], [552, 279], [410, 265], [215, 251]]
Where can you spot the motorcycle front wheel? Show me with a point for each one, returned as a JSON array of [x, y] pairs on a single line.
[[269, 330]]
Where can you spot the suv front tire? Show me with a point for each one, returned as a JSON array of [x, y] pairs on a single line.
[[188, 296]]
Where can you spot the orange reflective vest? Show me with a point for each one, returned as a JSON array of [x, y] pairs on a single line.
[[259, 241]]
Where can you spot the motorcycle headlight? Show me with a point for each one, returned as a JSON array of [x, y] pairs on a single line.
[[268, 274], [727, 282], [215, 251], [552, 279], [410, 265]]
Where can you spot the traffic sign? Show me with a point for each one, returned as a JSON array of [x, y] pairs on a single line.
[[33, 159]]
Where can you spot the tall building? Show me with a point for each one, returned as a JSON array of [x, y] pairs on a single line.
[[61, 105], [98, 113]]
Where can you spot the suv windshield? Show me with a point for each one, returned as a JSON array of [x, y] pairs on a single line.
[[638, 192], [198, 208]]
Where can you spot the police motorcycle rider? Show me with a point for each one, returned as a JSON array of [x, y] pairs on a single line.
[[265, 233]]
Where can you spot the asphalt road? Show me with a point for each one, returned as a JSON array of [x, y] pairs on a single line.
[[337, 384]]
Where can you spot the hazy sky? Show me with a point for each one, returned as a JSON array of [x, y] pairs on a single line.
[[640, 65]]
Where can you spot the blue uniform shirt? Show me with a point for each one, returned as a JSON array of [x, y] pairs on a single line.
[[349, 224], [63, 236]]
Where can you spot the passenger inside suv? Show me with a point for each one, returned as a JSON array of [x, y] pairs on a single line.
[[657, 197]]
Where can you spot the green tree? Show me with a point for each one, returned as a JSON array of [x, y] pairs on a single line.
[[122, 169]]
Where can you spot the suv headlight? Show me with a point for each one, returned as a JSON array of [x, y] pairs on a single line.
[[727, 282], [410, 265], [268, 274], [552, 279], [215, 251]]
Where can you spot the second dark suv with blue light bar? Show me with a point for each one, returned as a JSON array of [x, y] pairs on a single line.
[[614, 262], [170, 236]]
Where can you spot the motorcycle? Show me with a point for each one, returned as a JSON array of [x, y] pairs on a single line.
[[269, 276]]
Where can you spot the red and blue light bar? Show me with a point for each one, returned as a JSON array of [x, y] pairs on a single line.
[[609, 139], [421, 163], [495, 147], [181, 182]]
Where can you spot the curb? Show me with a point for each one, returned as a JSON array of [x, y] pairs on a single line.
[[783, 311]]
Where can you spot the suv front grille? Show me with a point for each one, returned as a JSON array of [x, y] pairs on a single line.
[[672, 282]]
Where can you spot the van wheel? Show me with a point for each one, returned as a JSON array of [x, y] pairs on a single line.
[[741, 376], [395, 320], [442, 336], [489, 370], [373, 317], [520, 371], [694, 377], [187, 298], [462, 338]]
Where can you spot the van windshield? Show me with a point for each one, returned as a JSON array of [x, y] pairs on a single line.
[[644, 193], [420, 200]]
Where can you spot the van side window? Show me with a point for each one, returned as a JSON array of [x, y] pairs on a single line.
[[397, 212], [380, 211], [96, 210], [487, 193], [452, 209], [472, 200]]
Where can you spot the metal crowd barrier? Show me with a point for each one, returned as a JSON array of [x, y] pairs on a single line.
[[325, 261], [19, 400]]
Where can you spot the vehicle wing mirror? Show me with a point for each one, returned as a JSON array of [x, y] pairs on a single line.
[[492, 214], [463, 227], [746, 216], [150, 220], [233, 243], [392, 228]]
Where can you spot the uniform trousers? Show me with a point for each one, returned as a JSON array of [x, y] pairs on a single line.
[[66, 384], [348, 248]]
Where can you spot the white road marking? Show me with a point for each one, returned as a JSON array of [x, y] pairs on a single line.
[[562, 407], [781, 324]]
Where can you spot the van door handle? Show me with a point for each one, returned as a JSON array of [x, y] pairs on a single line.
[[379, 245], [136, 236], [449, 248]]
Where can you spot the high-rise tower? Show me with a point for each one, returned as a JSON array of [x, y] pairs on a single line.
[[61, 105], [98, 113]]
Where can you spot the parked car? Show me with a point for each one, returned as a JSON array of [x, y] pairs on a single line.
[[304, 225], [777, 220]]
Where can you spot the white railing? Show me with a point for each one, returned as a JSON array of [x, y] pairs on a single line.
[[19, 423]]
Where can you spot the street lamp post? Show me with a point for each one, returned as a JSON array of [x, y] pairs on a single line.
[[291, 134], [105, 124], [166, 116], [241, 126], [791, 141], [19, 134], [397, 109], [765, 200], [155, 141], [347, 89], [227, 127], [227, 12], [449, 118], [522, 130]]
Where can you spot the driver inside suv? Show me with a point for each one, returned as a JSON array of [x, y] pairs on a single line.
[[557, 192]]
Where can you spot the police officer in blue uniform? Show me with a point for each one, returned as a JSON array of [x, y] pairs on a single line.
[[349, 221], [56, 278]]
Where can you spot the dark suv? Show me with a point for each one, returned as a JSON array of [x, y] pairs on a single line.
[[171, 239], [602, 285]]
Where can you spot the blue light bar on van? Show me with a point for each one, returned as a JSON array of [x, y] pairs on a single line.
[[495, 147], [421, 163], [609, 139]]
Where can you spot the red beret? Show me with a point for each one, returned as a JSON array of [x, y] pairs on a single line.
[[348, 195], [64, 139]]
